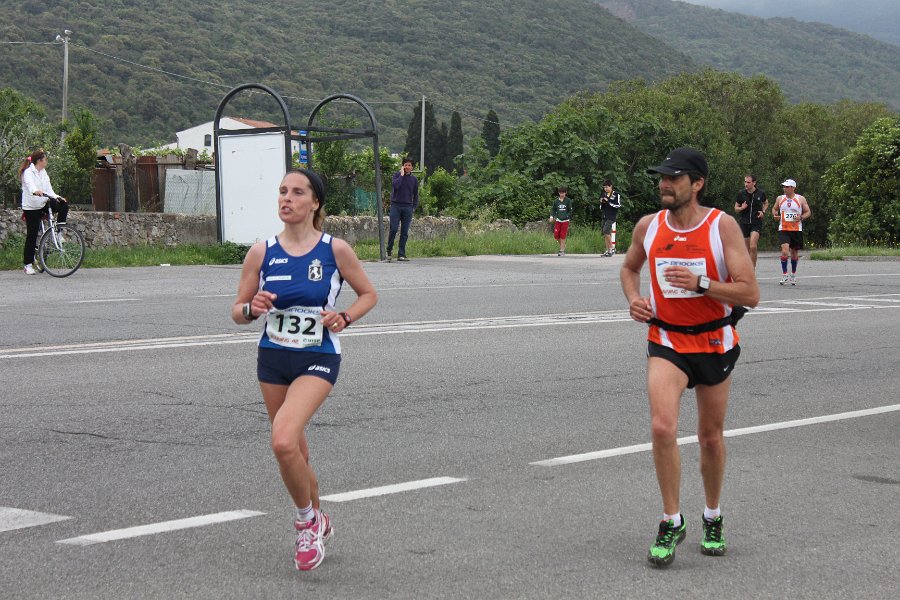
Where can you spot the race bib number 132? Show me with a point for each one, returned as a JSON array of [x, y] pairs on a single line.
[[295, 327]]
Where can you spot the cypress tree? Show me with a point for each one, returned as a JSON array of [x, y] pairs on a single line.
[[454, 142], [490, 132], [435, 138], [413, 133]]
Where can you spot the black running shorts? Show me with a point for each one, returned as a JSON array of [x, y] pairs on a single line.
[[794, 239], [701, 368], [746, 228]]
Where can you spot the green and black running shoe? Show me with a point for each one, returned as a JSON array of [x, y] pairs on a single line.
[[662, 552], [713, 543]]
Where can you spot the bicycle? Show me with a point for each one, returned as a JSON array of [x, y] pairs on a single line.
[[60, 248]]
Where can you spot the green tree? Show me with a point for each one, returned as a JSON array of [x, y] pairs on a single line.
[[362, 165], [444, 160], [412, 147], [490, 132], [454, 143], [332, 161], [439, 191], [23, 129], [77, 157], [435, 138], [864, 188], [807, 140]]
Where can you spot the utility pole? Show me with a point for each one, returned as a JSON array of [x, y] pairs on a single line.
[[422, 145], [65, 93]]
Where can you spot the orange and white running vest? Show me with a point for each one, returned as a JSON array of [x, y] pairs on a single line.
[[700, 250], [791, 209]]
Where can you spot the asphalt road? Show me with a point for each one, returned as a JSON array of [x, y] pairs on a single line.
[[135, 460]]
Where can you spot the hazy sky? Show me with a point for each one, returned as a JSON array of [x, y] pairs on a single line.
[[877, 18]]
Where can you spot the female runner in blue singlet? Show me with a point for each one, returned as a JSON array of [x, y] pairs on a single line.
[[292, 281]]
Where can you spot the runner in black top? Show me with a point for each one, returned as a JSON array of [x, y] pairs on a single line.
[[750, 206]]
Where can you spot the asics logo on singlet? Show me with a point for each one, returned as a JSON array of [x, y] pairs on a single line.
[[319, 368], [680, 239], [278, 261]]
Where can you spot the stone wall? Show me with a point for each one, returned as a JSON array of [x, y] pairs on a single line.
[[104, 229]]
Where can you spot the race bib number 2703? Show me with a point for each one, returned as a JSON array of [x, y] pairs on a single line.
[[295, 327]]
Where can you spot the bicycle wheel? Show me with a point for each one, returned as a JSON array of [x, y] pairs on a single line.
[[61, 251]]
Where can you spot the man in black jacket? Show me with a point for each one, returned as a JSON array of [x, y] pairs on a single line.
[[610, 203], [404, 200], [750, 206]]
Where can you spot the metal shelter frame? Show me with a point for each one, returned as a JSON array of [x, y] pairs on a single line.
[[218, 132], [333, 134]]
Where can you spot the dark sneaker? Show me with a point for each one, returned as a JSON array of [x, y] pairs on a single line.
[[402, 259], [713, 543], [662, 552]]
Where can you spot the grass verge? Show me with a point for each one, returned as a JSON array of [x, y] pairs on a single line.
[[580, 241], [840, 253]]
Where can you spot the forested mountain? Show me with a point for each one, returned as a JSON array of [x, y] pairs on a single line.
[[519, 58], [811, 61], [879, 19]]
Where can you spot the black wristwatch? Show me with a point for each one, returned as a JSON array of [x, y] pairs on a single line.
[[247, 311], [703, 284]]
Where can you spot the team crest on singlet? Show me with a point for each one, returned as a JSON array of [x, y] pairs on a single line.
[[315, 270]]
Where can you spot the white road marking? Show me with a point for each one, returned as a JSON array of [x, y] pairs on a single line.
[[488, 285], [692, 439], [391, 489], [104, 300], [515, 321], [141, 530], [17, 518]]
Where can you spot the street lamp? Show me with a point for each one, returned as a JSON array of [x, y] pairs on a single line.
[[65, 94]]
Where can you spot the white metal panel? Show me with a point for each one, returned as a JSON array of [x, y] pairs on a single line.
[[250, 168]]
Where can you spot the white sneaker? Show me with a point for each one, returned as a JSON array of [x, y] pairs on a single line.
[[29, 270], [793, 279], [784, 279]]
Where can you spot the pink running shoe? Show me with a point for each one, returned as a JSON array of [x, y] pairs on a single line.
[[310, 545]]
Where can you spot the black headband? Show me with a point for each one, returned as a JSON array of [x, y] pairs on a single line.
[[316, 182]]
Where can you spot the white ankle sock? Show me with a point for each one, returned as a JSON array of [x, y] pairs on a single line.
[[305, 515], [676, 519], [711, 513]]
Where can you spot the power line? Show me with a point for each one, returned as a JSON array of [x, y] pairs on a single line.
[[225, 86]]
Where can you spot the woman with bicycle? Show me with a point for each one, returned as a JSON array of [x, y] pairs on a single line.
[[292, 280], [37, 194]]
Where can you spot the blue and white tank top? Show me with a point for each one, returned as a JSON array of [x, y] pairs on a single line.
[[304, 286]]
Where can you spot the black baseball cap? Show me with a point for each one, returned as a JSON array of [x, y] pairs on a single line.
[[682, 160]]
